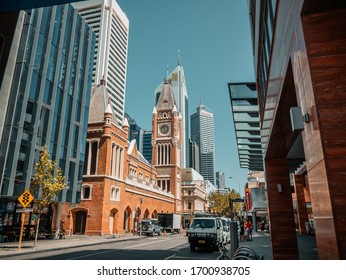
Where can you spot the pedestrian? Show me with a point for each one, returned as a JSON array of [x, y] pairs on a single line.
[[308, 227], [242, 231], [248, 227]]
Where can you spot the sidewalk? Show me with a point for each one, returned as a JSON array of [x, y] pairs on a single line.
[[11, 248], [261, 244]]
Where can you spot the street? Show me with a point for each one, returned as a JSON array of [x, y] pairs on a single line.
[[170, 247]]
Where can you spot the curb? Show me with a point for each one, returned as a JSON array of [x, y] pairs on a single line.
[[36, 250]]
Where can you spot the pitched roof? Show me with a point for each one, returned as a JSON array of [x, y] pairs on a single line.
[[99, 104], [166, 100]]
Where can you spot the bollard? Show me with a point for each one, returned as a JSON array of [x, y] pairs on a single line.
[[164, 233], [234, 237], [181, 230]]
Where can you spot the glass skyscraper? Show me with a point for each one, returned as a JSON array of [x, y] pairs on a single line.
[[48, 100], [202, 133], [143, 138], [111, 27]]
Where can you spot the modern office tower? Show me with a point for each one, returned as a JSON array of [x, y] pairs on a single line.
[[48, 100], [193, 155], [143, 138], [135, 132], [111, 27], [220, 180], [300, 78], [202, 132], [180, 95], [147, 146]]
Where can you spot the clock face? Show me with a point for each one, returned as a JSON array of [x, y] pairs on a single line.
[[164, 129]]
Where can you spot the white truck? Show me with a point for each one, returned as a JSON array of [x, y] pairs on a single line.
[[170, 222]]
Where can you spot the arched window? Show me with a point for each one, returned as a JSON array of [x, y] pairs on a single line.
[[86, 192], [115, 193], [91, 155]]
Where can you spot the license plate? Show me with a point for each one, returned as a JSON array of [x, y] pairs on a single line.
[[201, 241]]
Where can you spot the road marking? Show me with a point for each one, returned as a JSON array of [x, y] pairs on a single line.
[[188, 257], [170, 257], [89, 255], [144, 244]]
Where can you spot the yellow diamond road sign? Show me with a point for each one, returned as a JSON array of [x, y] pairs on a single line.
[[25, 198]]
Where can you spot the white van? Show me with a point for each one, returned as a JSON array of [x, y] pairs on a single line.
[[205, 232]]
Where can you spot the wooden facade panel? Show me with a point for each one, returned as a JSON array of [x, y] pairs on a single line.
[[284, 241], [330, 98], [327, 249], [302, 213]]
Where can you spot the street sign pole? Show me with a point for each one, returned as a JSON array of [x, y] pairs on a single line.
[[25, 199], [21, 232]]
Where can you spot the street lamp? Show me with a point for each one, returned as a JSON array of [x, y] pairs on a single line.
[[140, 216], [238, 184]]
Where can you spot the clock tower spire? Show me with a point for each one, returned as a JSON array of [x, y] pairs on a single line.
[[166, 142]]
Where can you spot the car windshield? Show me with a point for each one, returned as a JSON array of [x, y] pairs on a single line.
[[145, 222], [155, 222], [203, 223], [224, 222]]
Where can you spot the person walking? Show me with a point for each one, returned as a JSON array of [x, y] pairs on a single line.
[[242, 231], [248, 228]]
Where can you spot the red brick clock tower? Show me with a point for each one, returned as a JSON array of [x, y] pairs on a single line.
[[166, 142]]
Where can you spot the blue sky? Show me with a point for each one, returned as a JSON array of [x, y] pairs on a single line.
[[215, 48]]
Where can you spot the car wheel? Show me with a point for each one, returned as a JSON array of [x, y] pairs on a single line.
[[192, 247], [153, 234], [160, 232]]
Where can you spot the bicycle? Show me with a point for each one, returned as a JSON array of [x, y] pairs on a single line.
[[223, 253]]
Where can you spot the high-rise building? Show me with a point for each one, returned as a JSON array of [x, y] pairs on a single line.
[[135, 132], [111, 27], [147, 146], [180, 95], [202, 132], [143, 138], [220, 180], [300, 78], [193, 155], [47, 100]]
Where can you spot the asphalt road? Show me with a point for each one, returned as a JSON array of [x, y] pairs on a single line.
[[172, 247]]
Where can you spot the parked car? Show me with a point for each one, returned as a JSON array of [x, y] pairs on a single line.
[[151, 227], [205, 232], [226, 230]]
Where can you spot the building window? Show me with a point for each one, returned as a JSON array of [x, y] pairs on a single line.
[[91, 155], [86, 192], [115, 193], [189, 192], [93, 164], [117, 157], [189, 205]]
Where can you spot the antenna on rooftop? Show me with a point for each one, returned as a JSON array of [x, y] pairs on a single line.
[[178, 56]]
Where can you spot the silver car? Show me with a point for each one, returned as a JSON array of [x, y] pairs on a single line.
[[151, 227]]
